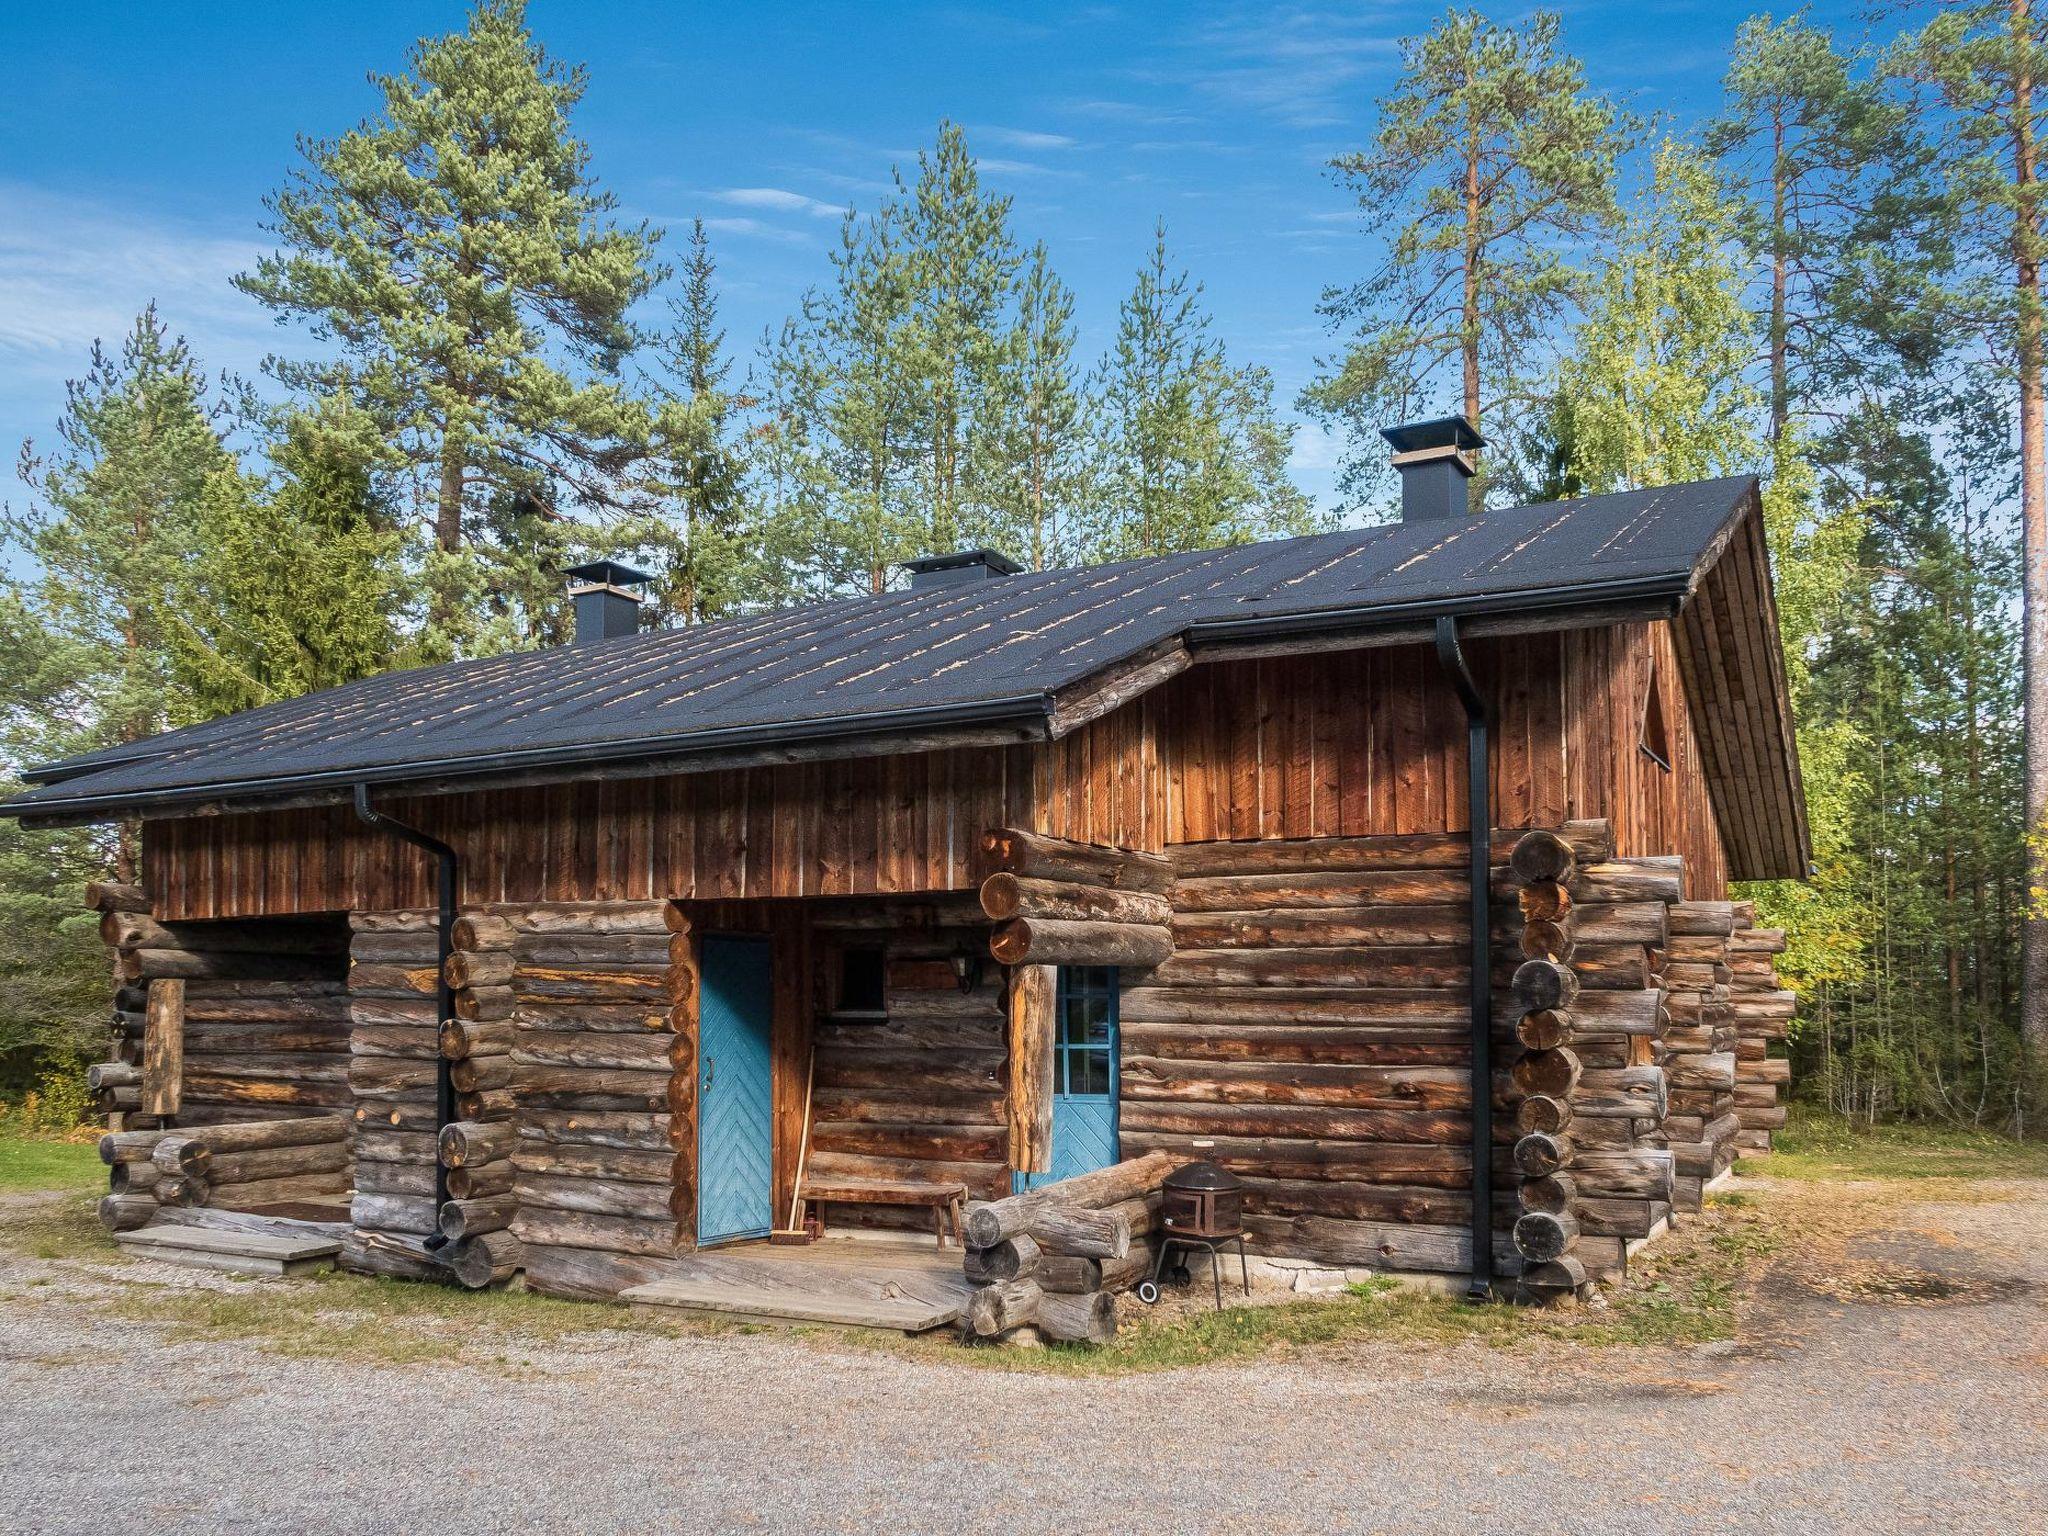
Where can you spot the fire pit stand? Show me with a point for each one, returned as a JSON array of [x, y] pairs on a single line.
[[1199, 1208]]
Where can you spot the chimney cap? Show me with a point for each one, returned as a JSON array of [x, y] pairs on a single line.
[[1443, 432], [607, 573], [961, 565]]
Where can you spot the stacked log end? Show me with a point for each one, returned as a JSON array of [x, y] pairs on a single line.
[[1053, 1258], [1762, 1012], [394, 1045], [1055, 902], [1699, 1057], [1547, 1075], [476, 1149], [601, 999], [253, 1166], [1595, 1180]]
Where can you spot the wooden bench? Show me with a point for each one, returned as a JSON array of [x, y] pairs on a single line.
[[945, 1201]]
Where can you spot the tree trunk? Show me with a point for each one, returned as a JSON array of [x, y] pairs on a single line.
[[2034, 540]]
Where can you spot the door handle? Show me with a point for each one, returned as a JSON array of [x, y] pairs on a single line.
[[710, 1070]]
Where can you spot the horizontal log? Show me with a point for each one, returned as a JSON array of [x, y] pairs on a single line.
[[1376, 1244], [487, 1259], [1541, 1236], [413, 1042], [1006, 895], [602, 951], [115, 896], [613, 984], [126, 1212], [598, 1128], [253, 1194], [1016, 1258], [577, 1018], [275, 1162], [1542, 1152], [581, 1229], [582, 916], [651, 1165], [465, 1040], [485, 1003], [475, 1183], [1426, 850], [479, 931], [1410, 1126], [401, 920], [394, 1256], [556, 1087], [480, 968], [1542, 855], [1263, 1082], [1034, 941], [395, 981], [395, 1213], [472, 1218], [480, 1074], [636, 1051], [372, 1077], [467, 1143], [1306, 1157], [372, 1145], [159, 964], [1325, 927], [603, 1197], [382, 1178], [1052, 858]]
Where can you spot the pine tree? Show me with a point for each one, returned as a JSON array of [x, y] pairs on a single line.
[[1984, 62], [1190, 453], [1491, 160], [459, 257], [1037, 447], [960, 267], [698, 471]]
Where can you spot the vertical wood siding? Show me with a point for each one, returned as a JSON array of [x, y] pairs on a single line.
[[1341, 744]]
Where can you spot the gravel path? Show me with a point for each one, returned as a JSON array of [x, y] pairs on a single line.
[[1901, 1385]]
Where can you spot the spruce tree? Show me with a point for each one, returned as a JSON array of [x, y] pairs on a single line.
[[1492, 160], [1190, 453], [698, 471], [464, 270], [1036, 449]]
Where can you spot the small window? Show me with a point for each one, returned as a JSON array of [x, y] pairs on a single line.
[[1085, 1061], [1654, 742], [861, 973]]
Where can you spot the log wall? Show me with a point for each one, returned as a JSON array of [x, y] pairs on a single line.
[[1762, 1009], [394, 1047]]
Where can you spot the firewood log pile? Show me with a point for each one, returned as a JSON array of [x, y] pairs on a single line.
[[1053, 1258]]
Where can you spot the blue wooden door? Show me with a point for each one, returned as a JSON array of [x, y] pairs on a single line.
[[735, 1094], [1084, 1075]]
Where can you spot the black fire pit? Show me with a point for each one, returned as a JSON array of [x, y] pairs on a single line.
[[1201, 1206]]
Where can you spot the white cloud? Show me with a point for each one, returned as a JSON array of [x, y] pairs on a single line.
[[73, 271], [779, 200], [758, 229], [1024, 138]]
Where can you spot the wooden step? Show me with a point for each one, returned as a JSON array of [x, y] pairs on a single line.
[[742, 1301], [240, 1253]]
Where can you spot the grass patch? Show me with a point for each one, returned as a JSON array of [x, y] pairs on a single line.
[[1686, 1290], [377, 1321], [1816, 1145], [39, 1163], [66, 1227]]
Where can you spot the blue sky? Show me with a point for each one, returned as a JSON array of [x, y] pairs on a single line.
[[137, 142]]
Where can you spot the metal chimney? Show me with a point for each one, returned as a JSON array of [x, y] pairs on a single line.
[[1436, 465], [967, 565], [604, 608]]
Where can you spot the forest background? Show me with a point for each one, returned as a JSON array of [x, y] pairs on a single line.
[[486, 369]]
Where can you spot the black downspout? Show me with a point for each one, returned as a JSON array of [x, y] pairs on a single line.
[[1451, 657], [444, 890]]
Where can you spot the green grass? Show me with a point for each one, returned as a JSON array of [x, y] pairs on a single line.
[[380, 1322], [32, 1163], [1816, 1145]]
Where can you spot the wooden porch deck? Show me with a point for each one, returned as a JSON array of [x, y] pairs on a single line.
[[841, 1282]]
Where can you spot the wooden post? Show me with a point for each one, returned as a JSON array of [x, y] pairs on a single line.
[[1033, 989], [163, 1048]]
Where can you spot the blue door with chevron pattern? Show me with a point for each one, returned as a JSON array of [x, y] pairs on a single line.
[[735, 1093], [1084, 1133]]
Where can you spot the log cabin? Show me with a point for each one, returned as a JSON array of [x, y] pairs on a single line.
[[1387, 869]]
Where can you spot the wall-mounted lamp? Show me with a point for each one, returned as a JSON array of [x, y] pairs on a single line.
[[967, 968]]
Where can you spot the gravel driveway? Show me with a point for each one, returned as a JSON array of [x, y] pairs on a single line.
[[1898, 1384]]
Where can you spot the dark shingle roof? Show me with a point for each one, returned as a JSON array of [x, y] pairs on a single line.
[[978, 650]]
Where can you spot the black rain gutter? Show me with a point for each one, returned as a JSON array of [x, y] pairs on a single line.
[[1016, 709], [1450, 655], [449, 866], [1672, 587]]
